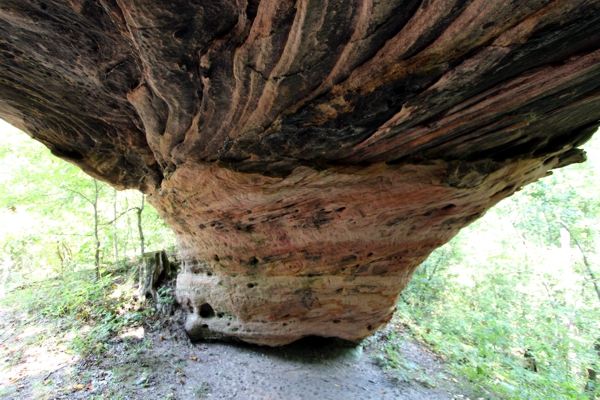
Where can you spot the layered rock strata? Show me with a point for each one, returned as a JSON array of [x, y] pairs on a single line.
[[308, 154], [326, 253]]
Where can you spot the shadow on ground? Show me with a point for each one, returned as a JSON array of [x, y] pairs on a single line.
[[158, 361]]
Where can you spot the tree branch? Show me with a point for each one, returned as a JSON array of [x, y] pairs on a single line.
[[80, 194], [585, 261], [102, 226]]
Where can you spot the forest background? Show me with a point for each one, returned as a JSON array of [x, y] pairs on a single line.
[[512, 303]]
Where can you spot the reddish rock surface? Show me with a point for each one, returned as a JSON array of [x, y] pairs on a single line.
[[308, 154], [321, 253]]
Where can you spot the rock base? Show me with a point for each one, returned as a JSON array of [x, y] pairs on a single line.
[[325, 253]]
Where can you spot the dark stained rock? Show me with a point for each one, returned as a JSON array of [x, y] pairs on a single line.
[[308, 154]]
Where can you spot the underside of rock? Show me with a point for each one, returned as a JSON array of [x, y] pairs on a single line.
[[307, 154]]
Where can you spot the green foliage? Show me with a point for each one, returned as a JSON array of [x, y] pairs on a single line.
[[91, 312], [166, 295], [48, 245], [509, 302], [48, 218]]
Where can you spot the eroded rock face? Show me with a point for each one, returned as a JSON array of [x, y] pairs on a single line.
[[308, 154], [270, 260]]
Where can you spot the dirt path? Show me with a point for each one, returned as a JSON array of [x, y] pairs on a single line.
[[158, 362]]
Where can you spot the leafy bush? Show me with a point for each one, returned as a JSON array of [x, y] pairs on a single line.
[[510, 301]]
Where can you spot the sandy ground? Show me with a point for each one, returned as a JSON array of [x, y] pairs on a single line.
[[157, 361]]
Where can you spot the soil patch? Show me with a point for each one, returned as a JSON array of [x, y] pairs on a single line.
[[158, 361]]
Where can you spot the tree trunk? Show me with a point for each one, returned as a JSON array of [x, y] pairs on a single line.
[[308, 155], [6, 266], [115, 237], [97, 239], [588, 267], [129, 234], [591, 383], [60, 255], [154, 267], [139, 211]]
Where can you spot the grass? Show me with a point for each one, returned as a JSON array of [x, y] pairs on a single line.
[[497, 337], [58, 332], [89, 312]]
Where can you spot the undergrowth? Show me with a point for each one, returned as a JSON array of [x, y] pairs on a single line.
[[499, 335], [391, 358], [88, 312]]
